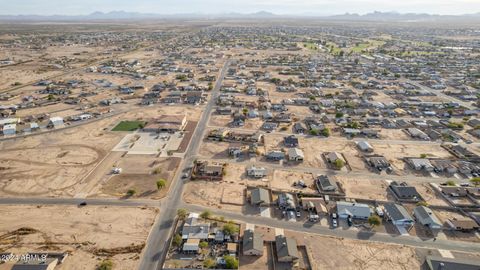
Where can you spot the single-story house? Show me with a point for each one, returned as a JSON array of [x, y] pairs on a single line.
[[353, 210], [404, 192], [56, 122], [290, 141], [252, 243], [286, 249], [275, 155], [326, 183], [332, 157], [256, 172], [419, 164], [10, 129], [443, 263], [295, 154], [426, 217], [194, 229], [299, 128], [364, 146], [398, 214], [259, 196]]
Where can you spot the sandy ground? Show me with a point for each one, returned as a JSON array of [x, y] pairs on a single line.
[[140, 173], [429, 194], [283, 181], [215, 194], [53, 164], [82, 232], [59, 163], [334, 253], [217, 150], [365, 188]]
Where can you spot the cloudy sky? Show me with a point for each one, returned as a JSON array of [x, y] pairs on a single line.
[[317, 7]]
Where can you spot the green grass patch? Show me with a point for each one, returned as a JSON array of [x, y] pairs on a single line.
[[129, 126]]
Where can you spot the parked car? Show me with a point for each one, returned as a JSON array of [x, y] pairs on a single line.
[[334, 223], [117, 170]]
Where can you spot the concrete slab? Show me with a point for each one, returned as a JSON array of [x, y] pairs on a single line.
[[145, 143], [265, 212], [446, 253]]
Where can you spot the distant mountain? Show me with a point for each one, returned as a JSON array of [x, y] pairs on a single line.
[[124, 15], [403, 17]]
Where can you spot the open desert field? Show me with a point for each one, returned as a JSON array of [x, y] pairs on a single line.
[[61, 164], [55, 166], [89, 234]]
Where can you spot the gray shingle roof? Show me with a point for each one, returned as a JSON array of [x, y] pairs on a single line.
[[260, 195], [286, 247], [397, 212], [252, 241], [425, 216]]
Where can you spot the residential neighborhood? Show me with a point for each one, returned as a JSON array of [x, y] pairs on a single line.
[[237, 141]]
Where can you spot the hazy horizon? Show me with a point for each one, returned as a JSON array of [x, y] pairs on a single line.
[[290, 7]]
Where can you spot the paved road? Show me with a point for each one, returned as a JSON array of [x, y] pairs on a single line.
[[76, 201], [439, 93], [339, 232], [157, 245]]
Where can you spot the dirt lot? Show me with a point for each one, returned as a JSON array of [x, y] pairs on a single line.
[[217, 150], [53, 165], [429, 194], [140, 173], [82, 232], [365, 188], [222, 195], [394, 134], [283, 180], [334, 253], [316, 147]]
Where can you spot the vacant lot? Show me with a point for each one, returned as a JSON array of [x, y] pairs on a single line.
[[429, 194], [141, 173], [56, 165], [215, 194], [335, 253], [90, 234], [283, 180], [365, 188]]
